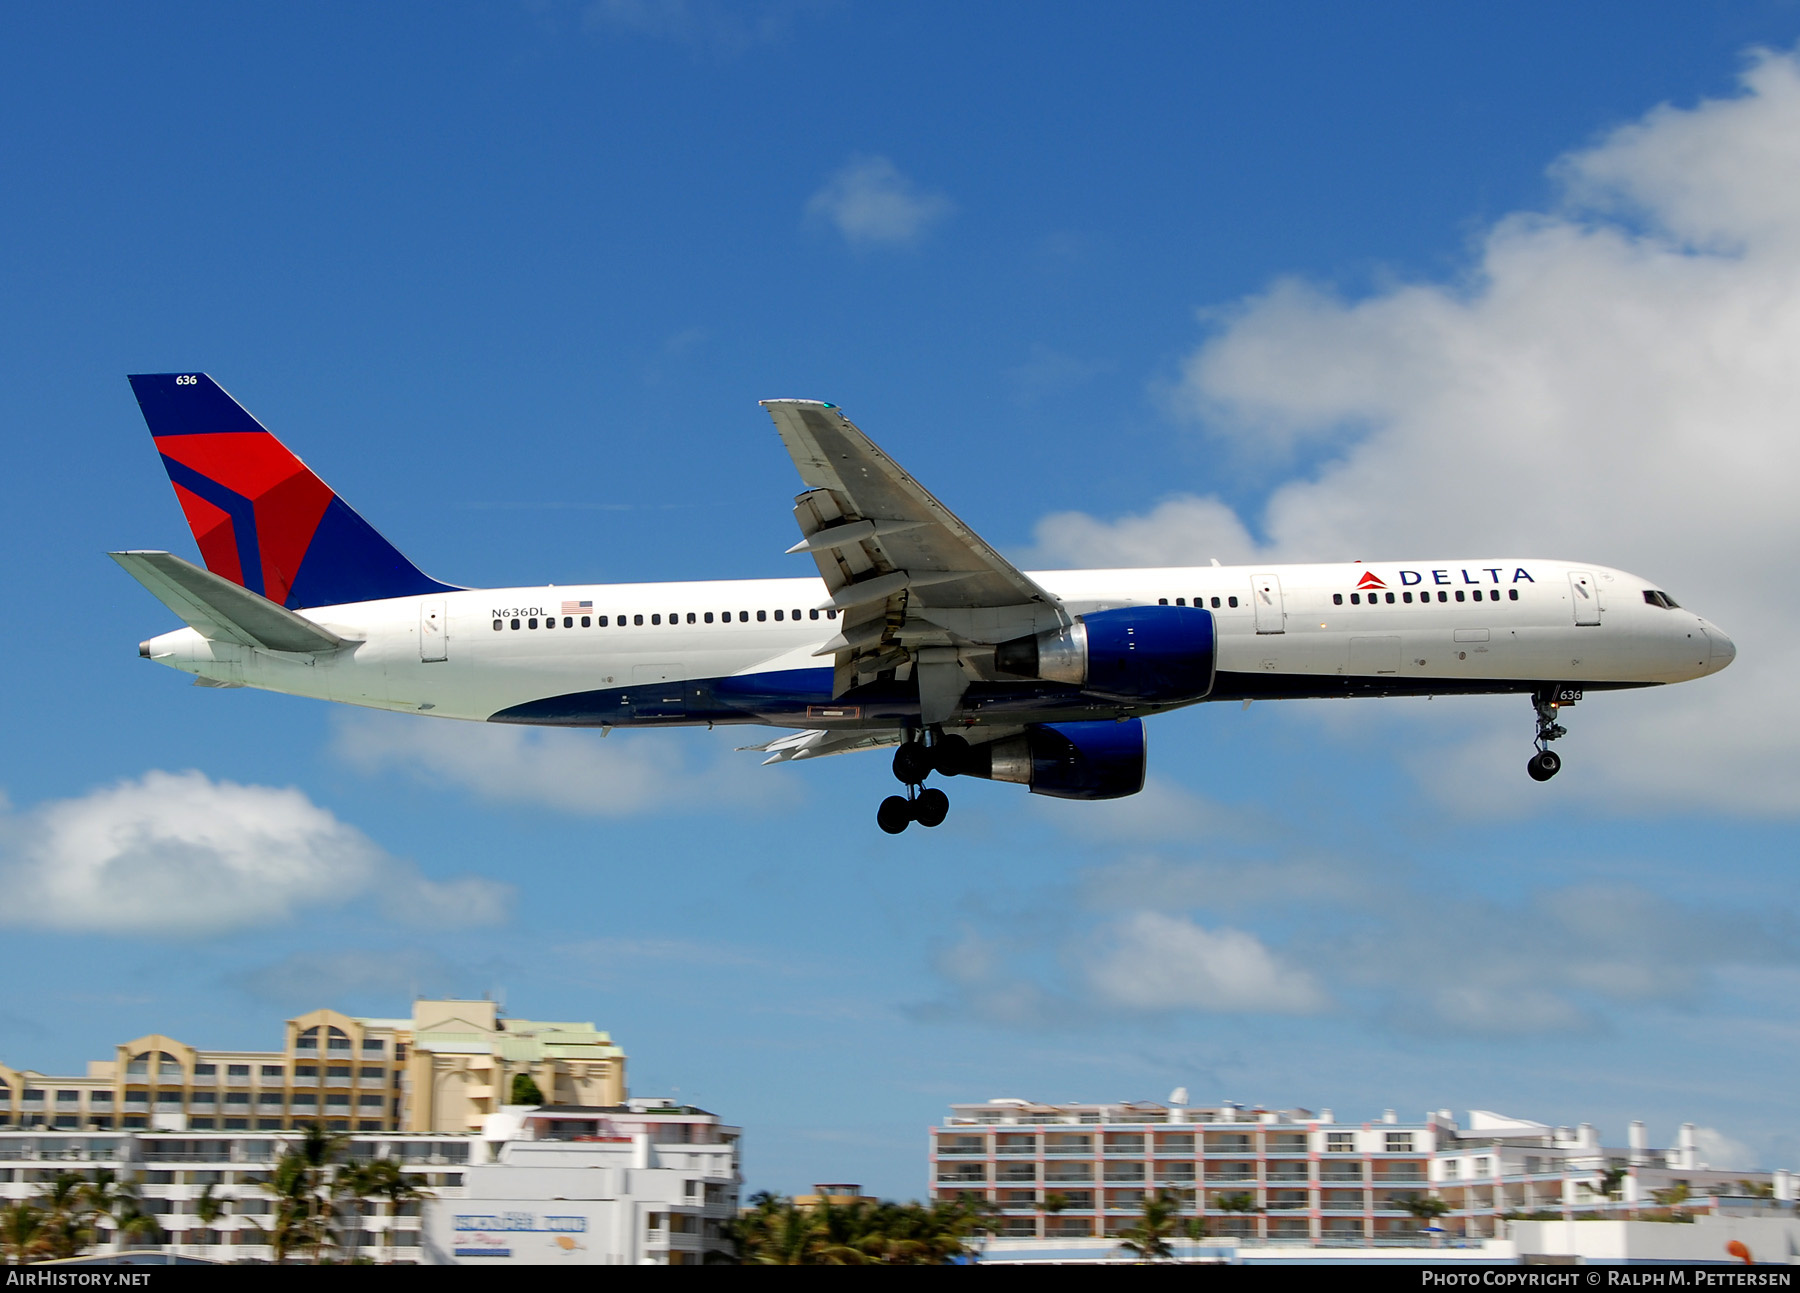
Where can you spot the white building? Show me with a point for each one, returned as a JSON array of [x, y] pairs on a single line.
[[647, 1182], [1079, 1172], [173, 1170]]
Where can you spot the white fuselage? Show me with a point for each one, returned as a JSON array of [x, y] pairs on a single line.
[[1281, 630]]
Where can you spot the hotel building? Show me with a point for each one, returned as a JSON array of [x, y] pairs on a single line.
[[443, 1069], [1290, 1176]]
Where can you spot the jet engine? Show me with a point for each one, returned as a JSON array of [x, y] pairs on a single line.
[[1103, 760], [1138, 654]]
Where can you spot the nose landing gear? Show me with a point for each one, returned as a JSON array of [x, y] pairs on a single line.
[[913, 762], [1548, 702]]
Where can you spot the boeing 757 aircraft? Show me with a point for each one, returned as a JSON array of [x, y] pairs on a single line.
[[915, 633]]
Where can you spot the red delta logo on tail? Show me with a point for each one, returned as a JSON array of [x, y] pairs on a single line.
[[1370, 580], [262, 518]]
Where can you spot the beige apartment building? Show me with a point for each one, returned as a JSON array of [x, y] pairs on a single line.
[[443, 1069]]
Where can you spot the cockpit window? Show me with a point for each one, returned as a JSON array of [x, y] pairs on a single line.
[[1663, 600]]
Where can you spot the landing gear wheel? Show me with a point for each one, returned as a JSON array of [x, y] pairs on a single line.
[[931, 807], [894, 814], [1544, 765], [912, 763], [950, 756]]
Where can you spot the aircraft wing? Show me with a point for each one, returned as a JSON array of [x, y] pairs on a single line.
[[904, 571]]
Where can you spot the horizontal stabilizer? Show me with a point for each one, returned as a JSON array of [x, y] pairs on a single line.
[[220, 610]]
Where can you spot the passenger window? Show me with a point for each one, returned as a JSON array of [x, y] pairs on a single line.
[[795, 615], [761, 616], [709, 617], [602, 621], [549, 621], [656, 619], [498, 625], [568, 621], [743, 617], [1390, 599], [1337, 599], [1407, 598], [1232, 600], [813, 614], [1216, 602], [530, 624], [1443, 596], [1162, 601], [1512, 594], [515, 624], [637, 620], [1459, 594], [777, 614], [587, 621], [831, 614], [1181, 601]]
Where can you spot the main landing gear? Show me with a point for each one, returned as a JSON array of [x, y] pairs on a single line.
[[914, 761], [1546, 763]]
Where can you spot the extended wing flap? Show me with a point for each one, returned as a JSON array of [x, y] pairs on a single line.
[[221, 610], [889, 524]]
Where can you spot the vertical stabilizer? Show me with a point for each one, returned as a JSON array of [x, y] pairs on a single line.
[[261, 517]]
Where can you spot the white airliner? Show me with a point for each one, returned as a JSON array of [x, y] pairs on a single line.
[[914, 634]]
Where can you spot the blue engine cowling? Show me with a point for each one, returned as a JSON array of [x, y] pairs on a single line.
[[1103, 760], [1155, 655]]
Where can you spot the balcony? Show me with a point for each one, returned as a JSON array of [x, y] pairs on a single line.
[[961, 1151], [1132, 1173]]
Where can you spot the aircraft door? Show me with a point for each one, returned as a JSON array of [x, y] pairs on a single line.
[[1265, 594], [1585, 594], [434, 632]]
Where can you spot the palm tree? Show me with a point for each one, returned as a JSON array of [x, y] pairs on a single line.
[[775, 1232], [60, 1206], [384, 1179], [208, 1208], [1673, 1197], [1148, 1237], [1612, 1182], [1425, 1209], [1241, 1203], [302, 1207], [22, 1235]]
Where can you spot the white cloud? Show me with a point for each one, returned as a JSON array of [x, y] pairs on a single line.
[[1721, 1152], [872, 204], [1613, 381], [179, 854], [1160, 811], [1048, 372], [574, 772], [723, 29], [1150, 961], [312, 978]]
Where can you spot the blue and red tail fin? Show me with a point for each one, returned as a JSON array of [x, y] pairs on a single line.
[[261, 517]]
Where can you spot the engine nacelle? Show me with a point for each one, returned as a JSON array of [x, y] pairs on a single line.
[[1153, 654], [1103, 760]]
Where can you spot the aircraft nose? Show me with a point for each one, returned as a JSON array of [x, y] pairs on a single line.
[[1724, 650]]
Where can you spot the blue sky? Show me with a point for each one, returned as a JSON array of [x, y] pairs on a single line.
[[1282, 282]]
